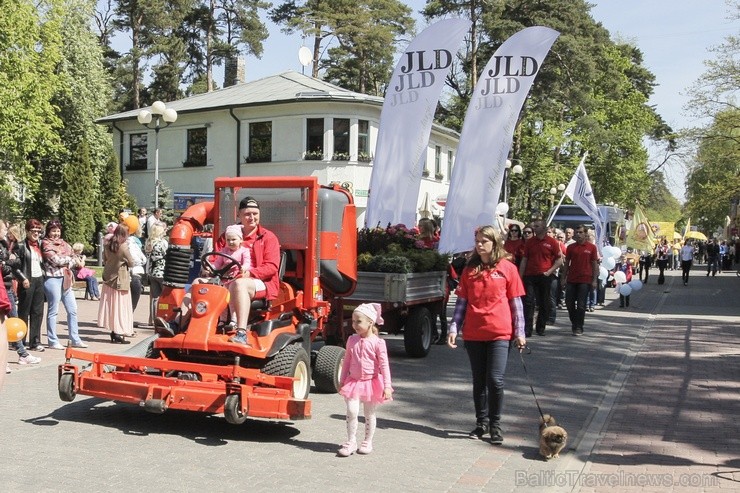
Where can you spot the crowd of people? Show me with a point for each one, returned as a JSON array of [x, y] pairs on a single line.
[[40, 268]]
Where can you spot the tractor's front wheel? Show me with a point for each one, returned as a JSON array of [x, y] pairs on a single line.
[[67, 391], [292, 361], [233, 411]]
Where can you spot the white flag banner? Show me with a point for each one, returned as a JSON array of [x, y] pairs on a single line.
[[486, 136], [580, 192], [406, 121]]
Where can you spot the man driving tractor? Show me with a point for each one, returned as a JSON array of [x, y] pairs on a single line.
[[260, 281]]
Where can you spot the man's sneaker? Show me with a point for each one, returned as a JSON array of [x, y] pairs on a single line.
[[7, 369], [80, 345], [240, 337], [496, 437], [162, 327], [56, 345], [29, 359], [478, 432], [38, 347]]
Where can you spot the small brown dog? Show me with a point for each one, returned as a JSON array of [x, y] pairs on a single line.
[[552, 437]]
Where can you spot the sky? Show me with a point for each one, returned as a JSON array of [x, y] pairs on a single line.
[[674, 36]]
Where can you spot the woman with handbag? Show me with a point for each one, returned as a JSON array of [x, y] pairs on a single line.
[[58, 280], [115, 312]]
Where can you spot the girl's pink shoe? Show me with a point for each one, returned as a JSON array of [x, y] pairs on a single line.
[[347, 449], [366, 447]]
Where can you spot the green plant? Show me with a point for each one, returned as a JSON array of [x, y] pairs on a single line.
[[396, 249], [313, 155], [340, 156], [364, 157]]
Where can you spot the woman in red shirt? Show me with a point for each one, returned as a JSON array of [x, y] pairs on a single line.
[[514, 244], [489, 309]]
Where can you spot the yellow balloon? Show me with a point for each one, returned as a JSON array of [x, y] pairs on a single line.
[[16, 329]]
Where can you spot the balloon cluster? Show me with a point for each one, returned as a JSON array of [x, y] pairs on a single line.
[[609, 260]]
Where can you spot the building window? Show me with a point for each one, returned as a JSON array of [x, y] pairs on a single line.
[[260, 142], [341, 139], [314, 138], [197, 154], [438, 162], [137, 151], [363, 141], [450, 157]]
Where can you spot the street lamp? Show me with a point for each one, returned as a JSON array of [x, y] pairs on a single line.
[[152, 119], [508, 170], [554, 191]]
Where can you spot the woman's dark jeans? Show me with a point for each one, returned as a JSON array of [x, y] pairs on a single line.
[[488, 365]]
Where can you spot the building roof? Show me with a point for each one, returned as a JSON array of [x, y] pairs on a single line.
[[287, 87]]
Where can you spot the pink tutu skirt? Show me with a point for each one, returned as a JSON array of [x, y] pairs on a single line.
[[364, 390]]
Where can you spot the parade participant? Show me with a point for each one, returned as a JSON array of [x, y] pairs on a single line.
[[366, 377], [514, 244], [687, 258], [541, 259], [580, 271], [489, 313], [239, 253]]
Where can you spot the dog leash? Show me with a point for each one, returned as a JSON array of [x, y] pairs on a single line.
[[529, 381]]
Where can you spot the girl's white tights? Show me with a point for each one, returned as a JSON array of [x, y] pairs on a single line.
[[353, 411]]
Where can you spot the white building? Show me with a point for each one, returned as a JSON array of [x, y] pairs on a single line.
[[284, 125]]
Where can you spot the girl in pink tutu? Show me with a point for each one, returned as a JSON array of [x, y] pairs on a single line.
[[366, 376]]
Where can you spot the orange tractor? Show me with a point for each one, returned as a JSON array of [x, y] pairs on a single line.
[[199, 369]]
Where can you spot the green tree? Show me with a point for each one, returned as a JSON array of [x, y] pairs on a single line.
[[660, 204], [366, 34], [30, 49], [77, 205], [113, 194], [713, 181]]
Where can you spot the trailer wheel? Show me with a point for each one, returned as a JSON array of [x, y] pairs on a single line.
[[328, 368], [417, 334], [232, 410], [67, 391], [293, 362]]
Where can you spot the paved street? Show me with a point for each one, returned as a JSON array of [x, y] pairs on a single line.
[[649, 396]]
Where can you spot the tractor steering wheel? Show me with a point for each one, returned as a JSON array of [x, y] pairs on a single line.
[[223, 272]]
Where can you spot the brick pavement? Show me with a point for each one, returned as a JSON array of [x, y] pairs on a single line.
[[647, 390]]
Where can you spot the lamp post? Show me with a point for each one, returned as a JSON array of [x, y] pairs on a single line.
[[508, 170], [156, 118], [554, 191]]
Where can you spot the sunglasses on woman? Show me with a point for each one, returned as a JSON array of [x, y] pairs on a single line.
[[527, 231]]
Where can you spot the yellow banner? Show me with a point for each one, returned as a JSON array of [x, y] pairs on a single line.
[[640, 235], [663, 230]]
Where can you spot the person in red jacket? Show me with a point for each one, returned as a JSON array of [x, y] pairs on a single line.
[[261, 281], [489, 311]]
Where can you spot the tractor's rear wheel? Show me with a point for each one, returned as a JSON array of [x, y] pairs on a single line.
[[292, 361], [67, 391], [232, 410], [328, 368], [417, 334]]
